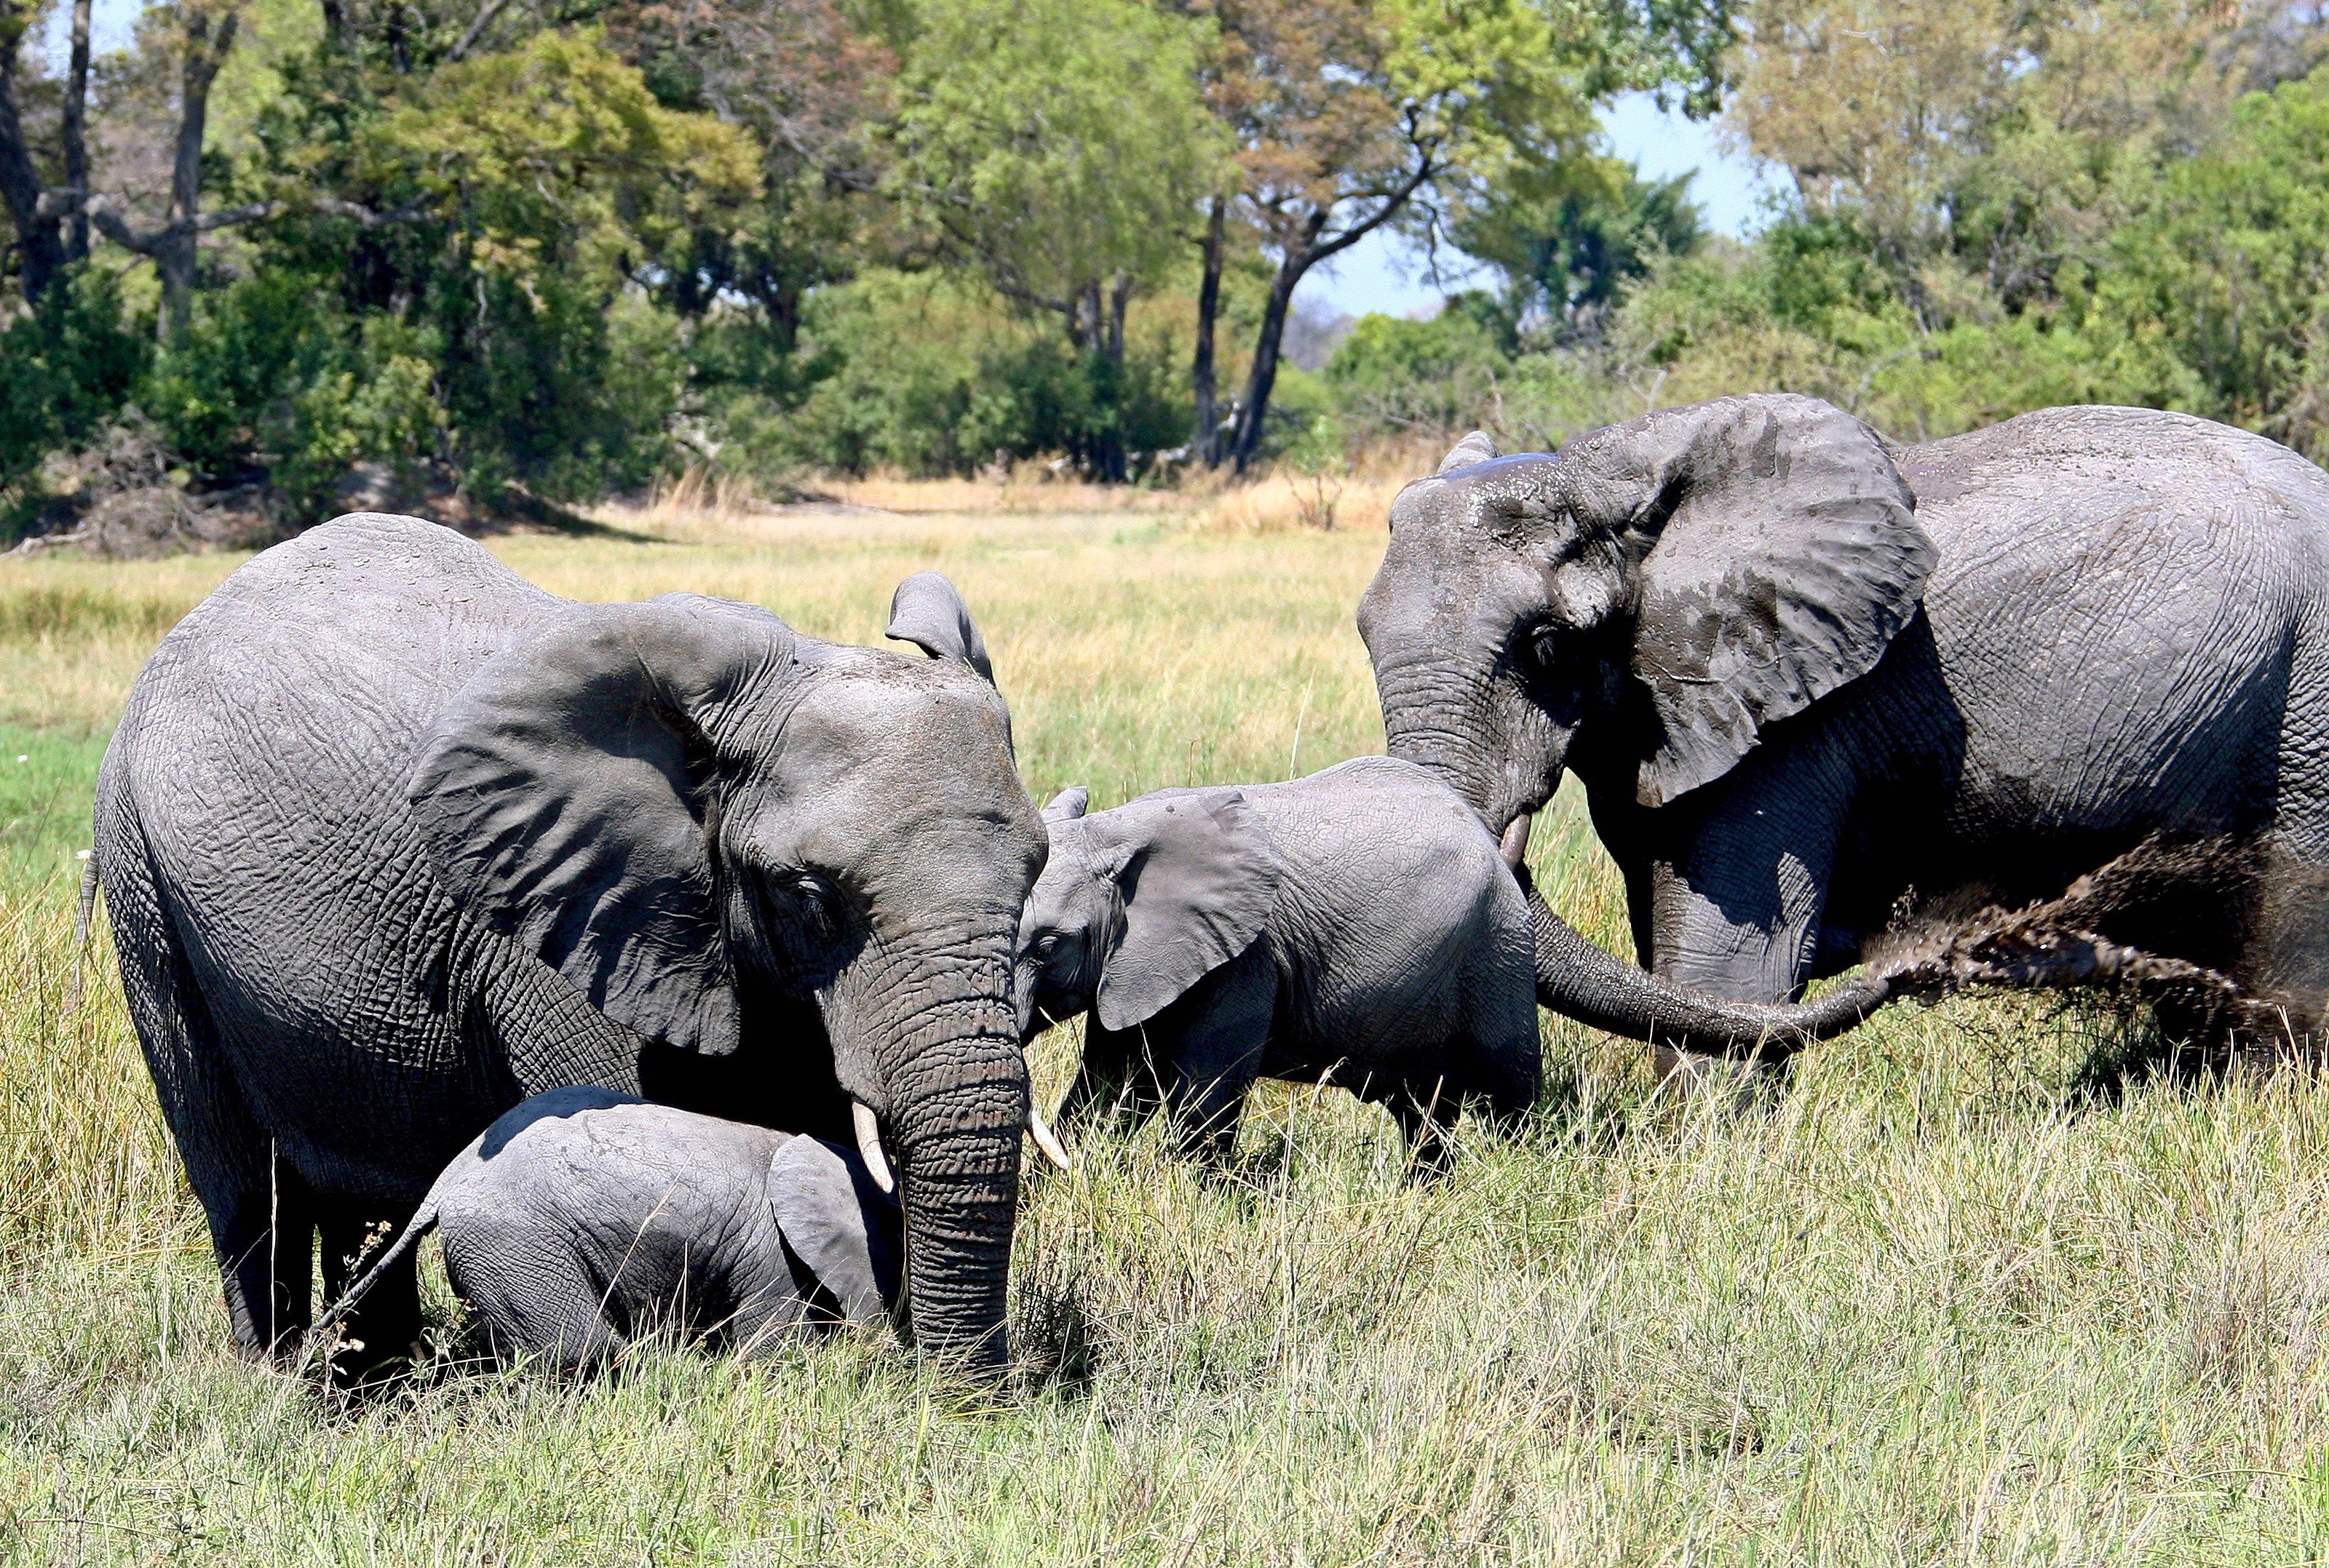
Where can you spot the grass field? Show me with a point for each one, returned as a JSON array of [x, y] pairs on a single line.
[[1936, 1304]]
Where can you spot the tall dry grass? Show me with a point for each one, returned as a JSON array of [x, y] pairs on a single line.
[[1944, 1301]]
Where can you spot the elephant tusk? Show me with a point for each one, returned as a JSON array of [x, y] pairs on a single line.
[[1514, 845], [1045, 1139], [869, 1144]]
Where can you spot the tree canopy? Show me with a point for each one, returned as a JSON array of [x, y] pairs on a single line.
[[477, 255]]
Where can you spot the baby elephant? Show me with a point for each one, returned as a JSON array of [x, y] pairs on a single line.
[[1358, 924], [583, 1219]]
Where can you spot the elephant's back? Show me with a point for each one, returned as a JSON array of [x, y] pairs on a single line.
[[2083, 480], [1407, 890], [2121, 598], [263, 758]]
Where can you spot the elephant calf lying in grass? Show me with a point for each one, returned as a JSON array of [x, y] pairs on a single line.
[[1358, 926], [583, 1219]]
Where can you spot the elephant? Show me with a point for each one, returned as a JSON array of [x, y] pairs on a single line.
[[582, 1221], [392, 840], [1804, 675], [1356, 925]]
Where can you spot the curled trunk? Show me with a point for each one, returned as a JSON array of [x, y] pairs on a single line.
[[1578, 980]]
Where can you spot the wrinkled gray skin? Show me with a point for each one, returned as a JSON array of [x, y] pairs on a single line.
[[1801, 673], [391, 840], [583, 1220], [1356, 925]]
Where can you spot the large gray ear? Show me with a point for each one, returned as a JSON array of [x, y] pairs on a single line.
[[928, 612], [1786, 556], [1474, 449], [563, 796], [1198, 875], [837, 1222], [1068, 805]]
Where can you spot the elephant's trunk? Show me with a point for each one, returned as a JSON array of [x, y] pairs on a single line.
[[955, 1111], [1578, 980]]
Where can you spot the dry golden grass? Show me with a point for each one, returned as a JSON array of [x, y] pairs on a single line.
[[1936, 1304]]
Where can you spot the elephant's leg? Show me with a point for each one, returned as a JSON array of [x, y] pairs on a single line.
[[1426, 1113], [385, 1328], [1738, 892], [1213, 1044], [2289, 951], [1117, 1076], [532, 1295], [260, 1214]]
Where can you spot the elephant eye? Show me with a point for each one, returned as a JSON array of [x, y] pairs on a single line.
[[1545, 647], [816, 894]]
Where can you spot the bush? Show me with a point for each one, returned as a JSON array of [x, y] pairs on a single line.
[[928, 375], [72, 361]]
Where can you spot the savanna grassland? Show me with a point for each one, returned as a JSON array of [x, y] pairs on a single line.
[[1952, 1297]]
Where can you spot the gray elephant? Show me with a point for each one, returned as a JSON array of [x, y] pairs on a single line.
[[392, 840], [1357, 924], [582, 1221], [1803, 675]]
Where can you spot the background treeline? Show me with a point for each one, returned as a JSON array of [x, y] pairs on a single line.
[[282, 256]]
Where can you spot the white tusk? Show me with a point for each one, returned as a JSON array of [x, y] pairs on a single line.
[[869, 1144], [1514, 843], [1045, 1139]]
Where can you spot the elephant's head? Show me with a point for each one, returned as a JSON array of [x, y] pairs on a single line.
[[1138, 904], [1641, 607], [1653, 597], [695, 814]]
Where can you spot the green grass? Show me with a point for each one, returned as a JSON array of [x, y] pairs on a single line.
[[1933, 1305]]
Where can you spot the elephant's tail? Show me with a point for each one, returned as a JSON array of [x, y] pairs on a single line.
[[82, 916], [424, 1220]]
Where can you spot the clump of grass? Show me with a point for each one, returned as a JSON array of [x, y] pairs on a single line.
[[1938, 1301]]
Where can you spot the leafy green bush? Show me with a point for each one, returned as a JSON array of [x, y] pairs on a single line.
[[70, 362], [928, 374]]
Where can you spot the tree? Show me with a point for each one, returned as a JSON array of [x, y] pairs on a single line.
[[1984, 146], [2218, 295], [1352, 115], [809, 88], [1061, 146], [39, 251], [1568, 255]]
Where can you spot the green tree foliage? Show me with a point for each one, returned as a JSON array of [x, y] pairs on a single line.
[[69, 364], [1060, 148], [932, 374], [2216, 298]]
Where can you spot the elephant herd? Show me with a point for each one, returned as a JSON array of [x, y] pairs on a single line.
[[415, 868]]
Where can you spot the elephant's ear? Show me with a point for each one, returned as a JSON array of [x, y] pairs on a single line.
[[838, 1223], [565, 796], [1790, 557], [1198, 875], [928, 612], [1474, 448]]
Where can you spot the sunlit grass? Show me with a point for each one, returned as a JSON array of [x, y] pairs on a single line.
[[1935, 1304]]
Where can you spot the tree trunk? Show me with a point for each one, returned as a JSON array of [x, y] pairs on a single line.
[[1204, 434], [40, 255], [76, 134], [1245, 439], [1108, 457], [207, 41]]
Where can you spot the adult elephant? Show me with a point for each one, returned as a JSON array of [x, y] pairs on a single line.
[[392, 839], [1802, 674]]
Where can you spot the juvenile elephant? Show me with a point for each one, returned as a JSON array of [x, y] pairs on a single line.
[[583, 1220], [1357, 923], [1801, 673], [392, 840]]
